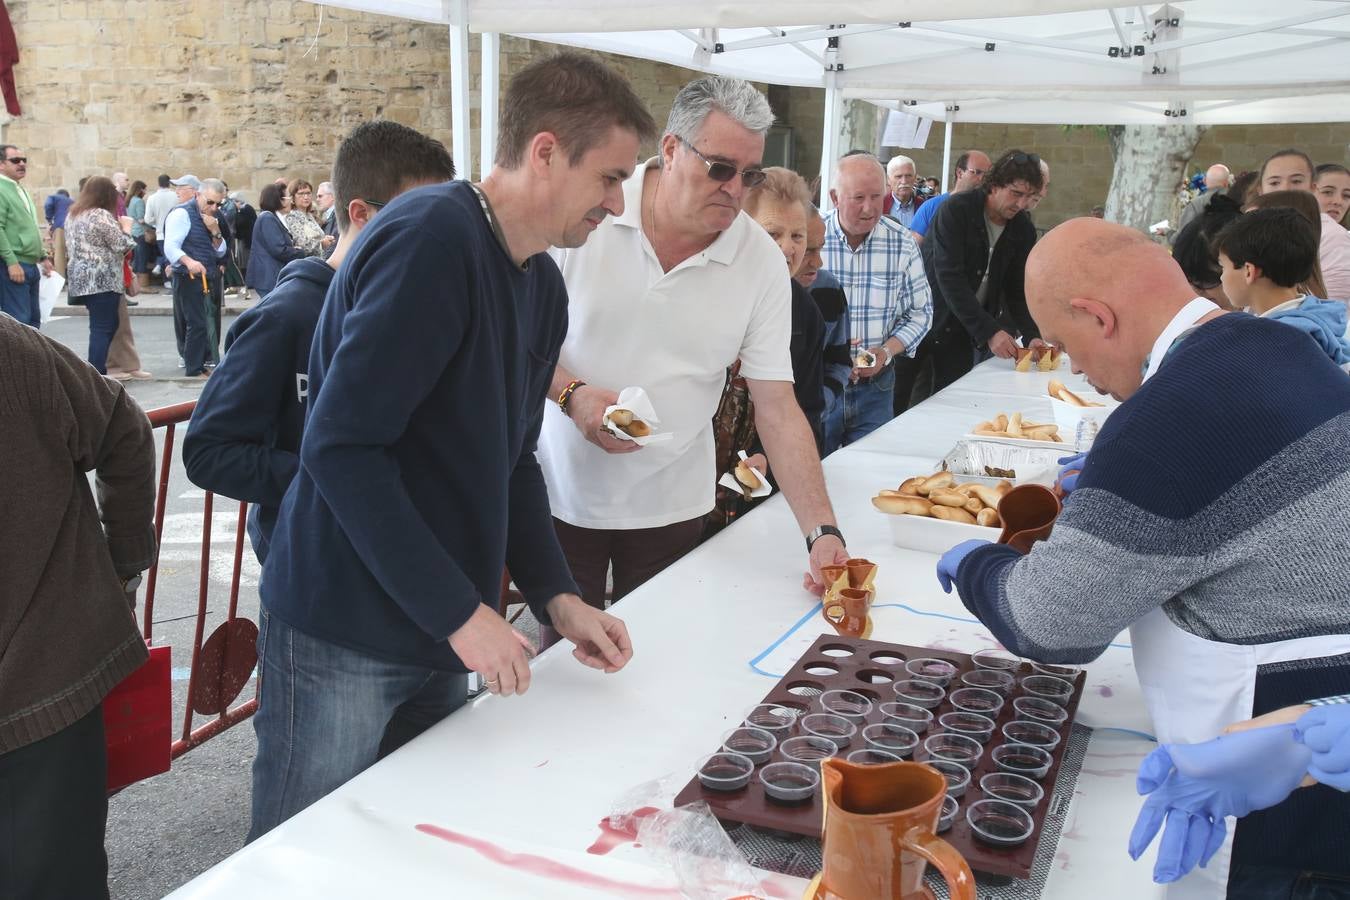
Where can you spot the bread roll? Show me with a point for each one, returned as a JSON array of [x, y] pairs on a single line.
[[914, 506], [952, 514], [1014, 428], [973, 505], [911, 485], [746, 476], [636, 428], [988, 518], [947, 497], [988, 496], [1001, 422], [621, 417], [933, 482]]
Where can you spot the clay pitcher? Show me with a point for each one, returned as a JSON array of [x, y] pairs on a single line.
[[1028, 512], [880, 824], [847, 610], [861, 573]]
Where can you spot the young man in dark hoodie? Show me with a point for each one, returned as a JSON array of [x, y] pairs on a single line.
[[244, 437], [418, 482]]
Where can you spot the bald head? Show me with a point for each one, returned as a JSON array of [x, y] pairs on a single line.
[[858, 193], [1217, 177], [1104, 292]]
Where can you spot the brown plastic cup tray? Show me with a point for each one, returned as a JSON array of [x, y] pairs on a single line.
[[870, 667]]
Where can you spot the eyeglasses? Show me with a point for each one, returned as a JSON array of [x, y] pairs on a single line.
[[724, 172], [212, 202], [17, 160], [974, 171], [302, 193], [375, 203]]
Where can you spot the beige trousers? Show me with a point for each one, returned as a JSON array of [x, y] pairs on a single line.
[[122, 355]]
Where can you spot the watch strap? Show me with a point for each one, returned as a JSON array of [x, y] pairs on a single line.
[[819, 532]]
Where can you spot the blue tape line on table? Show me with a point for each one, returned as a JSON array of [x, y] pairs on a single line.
[[754, 663]]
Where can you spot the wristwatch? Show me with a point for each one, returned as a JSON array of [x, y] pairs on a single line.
[[131, 584], [820, 531]]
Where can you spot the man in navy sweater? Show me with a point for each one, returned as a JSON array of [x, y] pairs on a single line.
[[418, 483], [1208, 519], [244, 437]]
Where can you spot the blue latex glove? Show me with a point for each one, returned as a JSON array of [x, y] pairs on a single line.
[[1326, 732], [1194, 787], [950, 563], [1072, 464]]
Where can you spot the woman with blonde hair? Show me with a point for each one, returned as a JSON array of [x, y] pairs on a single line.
[[303, 219], [97, 243]]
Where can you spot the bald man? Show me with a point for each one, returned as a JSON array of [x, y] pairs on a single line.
[[1217, 178], [890, 306], [1208, 519]]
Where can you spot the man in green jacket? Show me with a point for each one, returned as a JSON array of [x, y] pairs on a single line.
[[20, 241]]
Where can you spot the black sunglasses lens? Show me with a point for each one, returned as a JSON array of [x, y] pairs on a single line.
[[753, 178], [17, 160], [720, 171]]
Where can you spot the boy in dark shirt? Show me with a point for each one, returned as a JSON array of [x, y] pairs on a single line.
[[244, 437]]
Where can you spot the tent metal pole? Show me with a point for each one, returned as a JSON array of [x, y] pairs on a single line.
[[829, 145], [488, 111], [947, 149], [461, 137]]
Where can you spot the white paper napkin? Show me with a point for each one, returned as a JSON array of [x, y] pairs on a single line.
[[729, 481], [636, 401]]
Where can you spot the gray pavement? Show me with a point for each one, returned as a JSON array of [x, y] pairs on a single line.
[[166, 830]]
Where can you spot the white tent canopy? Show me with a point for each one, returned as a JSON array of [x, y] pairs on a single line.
[[1015, 61]]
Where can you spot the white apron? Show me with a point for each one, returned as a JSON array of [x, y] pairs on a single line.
[[1194, 687]]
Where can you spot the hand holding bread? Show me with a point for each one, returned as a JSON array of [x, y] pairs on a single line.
[[939, 496]]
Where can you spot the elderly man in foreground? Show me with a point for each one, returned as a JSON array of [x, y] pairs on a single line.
[[1207, 519]]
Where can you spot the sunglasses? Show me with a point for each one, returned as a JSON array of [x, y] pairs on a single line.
[[212, 202], [17, 160], [724, 172]]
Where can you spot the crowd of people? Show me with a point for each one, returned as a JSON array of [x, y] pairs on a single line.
[[421, 401], [194, 237]]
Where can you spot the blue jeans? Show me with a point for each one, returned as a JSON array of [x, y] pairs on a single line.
[[1247, 882], [864, 408], [21, 300], [327, 713], [102, 326]]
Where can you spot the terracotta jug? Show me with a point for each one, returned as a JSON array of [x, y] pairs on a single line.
[[1028, 512], [861, 573], [880, 824], [847, 610]]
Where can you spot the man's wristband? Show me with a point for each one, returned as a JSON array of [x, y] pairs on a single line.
[[819, 532], [566, 396]]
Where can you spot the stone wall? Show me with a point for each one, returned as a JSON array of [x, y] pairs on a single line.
[[250, 90]]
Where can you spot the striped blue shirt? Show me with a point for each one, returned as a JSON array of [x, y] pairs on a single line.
[[884, 281]]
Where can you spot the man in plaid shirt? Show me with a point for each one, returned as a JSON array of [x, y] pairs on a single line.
[[878, 263]]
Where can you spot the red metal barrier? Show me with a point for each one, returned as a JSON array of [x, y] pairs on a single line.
[[221, 666]]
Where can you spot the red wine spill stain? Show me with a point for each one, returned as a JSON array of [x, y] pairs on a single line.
[[542, 867], [612, 836], [542, 764], [1105, 691]]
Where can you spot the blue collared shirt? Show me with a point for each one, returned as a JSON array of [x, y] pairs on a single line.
[[884, 281]]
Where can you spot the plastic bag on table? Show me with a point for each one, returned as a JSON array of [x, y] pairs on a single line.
[[692, 843]]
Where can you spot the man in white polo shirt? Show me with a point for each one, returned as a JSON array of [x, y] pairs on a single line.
[[665, 297]]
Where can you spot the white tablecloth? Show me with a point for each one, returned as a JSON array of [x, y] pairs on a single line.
[[515, 789]]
